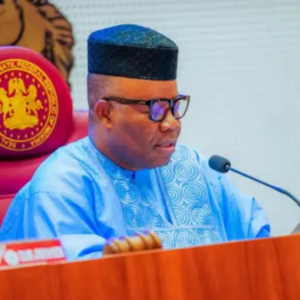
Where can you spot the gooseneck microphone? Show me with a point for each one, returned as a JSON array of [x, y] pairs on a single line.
[[223, 165]]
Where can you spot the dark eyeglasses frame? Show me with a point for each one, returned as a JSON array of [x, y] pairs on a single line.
[[151, 102]]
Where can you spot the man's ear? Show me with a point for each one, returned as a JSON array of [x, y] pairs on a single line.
[[102, 110]]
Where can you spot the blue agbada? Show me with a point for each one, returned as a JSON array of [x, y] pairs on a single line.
[[83, 198]]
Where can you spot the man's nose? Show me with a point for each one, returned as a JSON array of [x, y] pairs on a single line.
[[169, 123]]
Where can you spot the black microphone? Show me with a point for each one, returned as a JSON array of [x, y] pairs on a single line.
[[223, 165]]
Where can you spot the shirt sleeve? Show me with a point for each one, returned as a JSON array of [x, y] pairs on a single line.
[[51, 215], [243, 217]]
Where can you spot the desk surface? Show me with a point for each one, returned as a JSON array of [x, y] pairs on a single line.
[[261, 269]]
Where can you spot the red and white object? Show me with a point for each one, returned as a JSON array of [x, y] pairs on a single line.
[[31, 252]]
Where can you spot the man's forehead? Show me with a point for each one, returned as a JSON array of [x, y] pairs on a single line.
[[140, 88]]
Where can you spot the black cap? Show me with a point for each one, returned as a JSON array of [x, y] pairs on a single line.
[[132, 51]]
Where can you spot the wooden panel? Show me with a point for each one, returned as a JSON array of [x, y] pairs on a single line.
[[266, 269]]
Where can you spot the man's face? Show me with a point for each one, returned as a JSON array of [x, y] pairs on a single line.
[[135, 140]]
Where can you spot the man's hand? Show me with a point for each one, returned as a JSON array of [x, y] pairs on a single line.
[[139, 242]]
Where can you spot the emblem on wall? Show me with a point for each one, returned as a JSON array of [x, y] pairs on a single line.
[[38, 25]]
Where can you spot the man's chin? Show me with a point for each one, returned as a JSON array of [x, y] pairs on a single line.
[[161, 162]]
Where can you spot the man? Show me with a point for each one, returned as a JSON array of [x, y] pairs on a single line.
[[129, 175]]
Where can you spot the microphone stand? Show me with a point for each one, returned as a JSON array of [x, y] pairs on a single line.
[[280, 190]]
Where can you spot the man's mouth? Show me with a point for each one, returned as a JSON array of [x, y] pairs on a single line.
[[166, 147]]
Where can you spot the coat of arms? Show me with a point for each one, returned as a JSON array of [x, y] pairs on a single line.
[[20, 109], [28, 105]]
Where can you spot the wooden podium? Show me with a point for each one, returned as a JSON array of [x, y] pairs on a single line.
[[266, 269]]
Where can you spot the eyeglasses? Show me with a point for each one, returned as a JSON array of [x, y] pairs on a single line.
[[159, 108]]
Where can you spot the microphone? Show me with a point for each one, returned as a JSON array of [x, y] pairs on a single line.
[[223, 165]]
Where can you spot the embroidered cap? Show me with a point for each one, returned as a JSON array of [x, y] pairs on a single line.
[[132, 51]]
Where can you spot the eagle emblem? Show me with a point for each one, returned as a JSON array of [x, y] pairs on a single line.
[[28, 105]]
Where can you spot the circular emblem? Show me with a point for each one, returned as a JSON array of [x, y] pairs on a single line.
[[11, 257], [28, 105]]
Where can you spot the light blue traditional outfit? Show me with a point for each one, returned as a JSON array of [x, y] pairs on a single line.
[[83, 198]]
